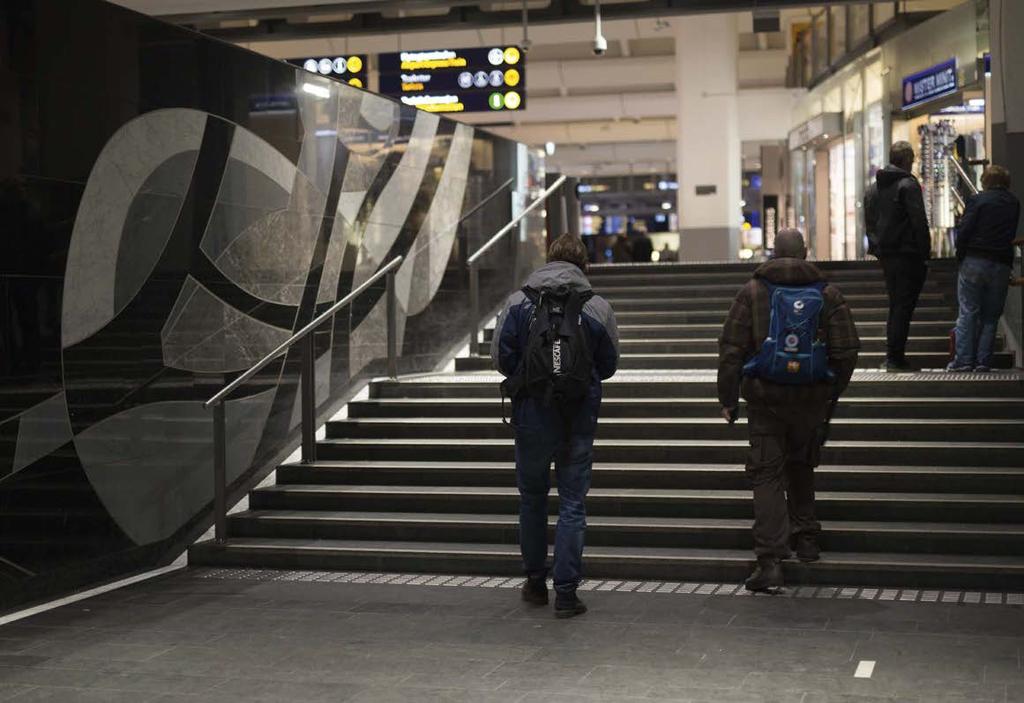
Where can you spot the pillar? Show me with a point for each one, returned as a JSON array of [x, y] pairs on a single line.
[[708, 158], [1006, 17]]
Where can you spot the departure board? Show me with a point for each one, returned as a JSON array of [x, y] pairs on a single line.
[[456, 80], [350, 68]]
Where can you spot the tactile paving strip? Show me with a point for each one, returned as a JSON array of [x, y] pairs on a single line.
[[908, 595]]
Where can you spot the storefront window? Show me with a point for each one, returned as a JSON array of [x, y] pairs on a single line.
[[884, 11], [850, 194], [819, 31], [836, 204], [875, 136], [837, 43], [860, 24]]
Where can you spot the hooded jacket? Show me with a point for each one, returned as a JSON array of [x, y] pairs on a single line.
[[513, 330], [746, 328], [988, 226], [897, 215]]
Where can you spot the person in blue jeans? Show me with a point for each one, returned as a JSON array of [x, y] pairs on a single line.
[[984, 247], [544, 433]]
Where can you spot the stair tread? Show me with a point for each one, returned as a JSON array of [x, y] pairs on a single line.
[[850, 559], [510, 466], [614, 521], [433, 442], [660, 493], [865, 400], [647, 421]]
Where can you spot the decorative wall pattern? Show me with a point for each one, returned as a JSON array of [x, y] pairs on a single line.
[[165, 231]]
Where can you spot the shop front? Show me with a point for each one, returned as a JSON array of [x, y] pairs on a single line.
[[926, 86]]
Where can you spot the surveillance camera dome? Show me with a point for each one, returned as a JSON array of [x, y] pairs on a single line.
[[600, 45]]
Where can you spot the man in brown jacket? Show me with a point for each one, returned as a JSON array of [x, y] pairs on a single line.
[[786, 423]]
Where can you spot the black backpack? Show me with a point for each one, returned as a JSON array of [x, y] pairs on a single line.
[[557, 365]]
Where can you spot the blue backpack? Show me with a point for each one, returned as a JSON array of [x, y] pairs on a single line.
[[792, 354]]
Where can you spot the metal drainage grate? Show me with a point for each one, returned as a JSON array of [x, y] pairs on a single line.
[[907, 595]]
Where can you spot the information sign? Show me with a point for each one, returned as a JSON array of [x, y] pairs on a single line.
[[350, 68], [456, 80]]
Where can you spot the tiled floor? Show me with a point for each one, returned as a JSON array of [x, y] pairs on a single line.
[[192, 637]]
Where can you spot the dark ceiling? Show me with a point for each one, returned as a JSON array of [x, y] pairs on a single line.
[[389, 16]]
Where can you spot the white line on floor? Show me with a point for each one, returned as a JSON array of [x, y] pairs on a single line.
[[865, 668]]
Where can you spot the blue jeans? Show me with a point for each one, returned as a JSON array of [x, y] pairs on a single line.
[[537, 444], [982, 287]]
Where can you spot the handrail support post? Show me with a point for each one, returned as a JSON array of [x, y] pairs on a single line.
[[307, 376], [220, 470], [474, 305], [392, 323]]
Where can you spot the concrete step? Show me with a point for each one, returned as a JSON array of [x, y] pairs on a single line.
[[708, 360], [680, 450], [858, 303], [712, 330], [631, 344], [711, 565], [612, 288], [659, 429], [616, 531], [865, 384], [674, 316], [642, 502], [653, 407], [697, 475]]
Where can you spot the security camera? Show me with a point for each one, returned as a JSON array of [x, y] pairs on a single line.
[[600, 43]]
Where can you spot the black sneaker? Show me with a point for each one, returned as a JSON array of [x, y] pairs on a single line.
[[535, 591], [807, 548], [767, 575], [568, 605]]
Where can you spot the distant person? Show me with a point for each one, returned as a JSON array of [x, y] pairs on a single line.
[[622, 252], [643, 247], [666, 254], [984, 247], [554, 343], [903, 247], [789, 346]]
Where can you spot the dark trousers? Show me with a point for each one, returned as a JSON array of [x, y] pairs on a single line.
[[785, 447], [904, 279], [536, 446]]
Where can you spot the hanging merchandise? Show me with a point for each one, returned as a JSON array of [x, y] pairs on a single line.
[[937, 145]]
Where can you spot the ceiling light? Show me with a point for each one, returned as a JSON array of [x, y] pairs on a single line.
[[549, 148], [666, 205]]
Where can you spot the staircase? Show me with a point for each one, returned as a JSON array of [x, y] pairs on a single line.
[[922, 482]]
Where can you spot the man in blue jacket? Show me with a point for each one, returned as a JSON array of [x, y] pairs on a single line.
[[545, 432], [984, 246]]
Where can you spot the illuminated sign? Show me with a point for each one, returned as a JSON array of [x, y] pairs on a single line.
[[929, 84], [349, 68], [456, 80]]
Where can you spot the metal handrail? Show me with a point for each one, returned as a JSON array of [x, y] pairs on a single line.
[[473, 261], [515, 221], [308, 388], [288, 343], [486, 200], [963, 175]]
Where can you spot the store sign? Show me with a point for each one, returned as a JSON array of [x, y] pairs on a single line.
[[818, 129], [351, 68], [929, 84], [456, 80]]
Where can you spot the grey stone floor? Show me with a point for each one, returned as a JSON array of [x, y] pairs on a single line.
[[184, 638]]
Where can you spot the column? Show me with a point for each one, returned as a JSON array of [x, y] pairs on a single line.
[[1007, 132], [708, 159]]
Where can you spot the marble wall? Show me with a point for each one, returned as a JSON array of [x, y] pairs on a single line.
[[172, 209]]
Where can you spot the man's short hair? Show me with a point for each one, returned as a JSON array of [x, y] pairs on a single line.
[[995, 177], [789, 244], [570, 249], [902, 155]]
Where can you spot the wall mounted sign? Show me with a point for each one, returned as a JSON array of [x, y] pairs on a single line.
[[350, 68], [456, 80], [931, 83]]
